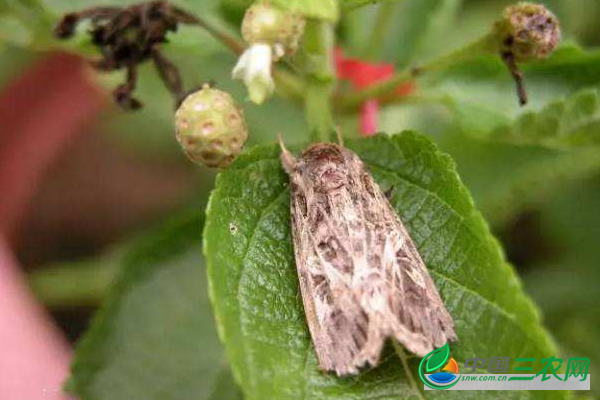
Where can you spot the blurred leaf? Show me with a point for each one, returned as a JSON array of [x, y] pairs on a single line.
[[568, 300], [353, 4], [25, 22], [573, 121], [319, 9], [481, 93], [566, 285], [12, 31], [75, 284], [224, 387], [505, 178], [414, 23], [233, 10], [578, 20], [571, 220], [442, 20], [254, 286], [154, 337]]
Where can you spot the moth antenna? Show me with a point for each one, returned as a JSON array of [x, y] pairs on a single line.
[[338, 132], [287, 158]]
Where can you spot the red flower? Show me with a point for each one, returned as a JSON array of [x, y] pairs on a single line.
[[362, 74]]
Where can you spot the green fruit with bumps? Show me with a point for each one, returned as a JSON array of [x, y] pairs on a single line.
[[265, 23], [210, 127]]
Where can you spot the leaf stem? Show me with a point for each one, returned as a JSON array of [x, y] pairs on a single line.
[[403, 359], [317, 51], [232, 43], [484, 45]]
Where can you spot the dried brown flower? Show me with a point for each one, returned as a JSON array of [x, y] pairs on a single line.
[[128, 36]]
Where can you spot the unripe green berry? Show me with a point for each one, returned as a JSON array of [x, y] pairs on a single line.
[[210, 127], [265, 23], [528, 31]]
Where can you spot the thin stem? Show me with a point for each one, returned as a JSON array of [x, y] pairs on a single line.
[[403, 359], [320, 78], [230, 42], [168, 73], [485, 45], [515, 72], [381, 27]]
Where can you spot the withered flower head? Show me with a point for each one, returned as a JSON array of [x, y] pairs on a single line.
[[128, 36], [528, 31]]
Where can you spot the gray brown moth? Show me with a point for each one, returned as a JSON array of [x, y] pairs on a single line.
[[361, 277]]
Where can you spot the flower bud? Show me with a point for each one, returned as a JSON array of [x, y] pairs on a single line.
[[528, 31], [210, 127], [267, 24]]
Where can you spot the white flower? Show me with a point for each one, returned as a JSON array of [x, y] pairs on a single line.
[[254, 67]]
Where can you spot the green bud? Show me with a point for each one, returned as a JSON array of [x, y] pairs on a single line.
[[528, 31], [265, 23], [210, 127]]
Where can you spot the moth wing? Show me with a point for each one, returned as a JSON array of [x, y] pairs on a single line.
[[413, 311], [335, 319]]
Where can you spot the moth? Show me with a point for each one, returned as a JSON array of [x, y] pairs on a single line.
[[361, 276]]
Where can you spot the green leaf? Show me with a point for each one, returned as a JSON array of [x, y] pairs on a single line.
[[572, 121], [154, 337], [438, 358], [254, 289]]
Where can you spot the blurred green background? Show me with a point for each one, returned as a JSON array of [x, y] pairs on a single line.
[[543, 202]]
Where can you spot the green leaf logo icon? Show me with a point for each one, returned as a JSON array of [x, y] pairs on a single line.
[[437, 358]]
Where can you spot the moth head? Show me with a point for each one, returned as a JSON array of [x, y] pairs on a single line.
[[325, 165]]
